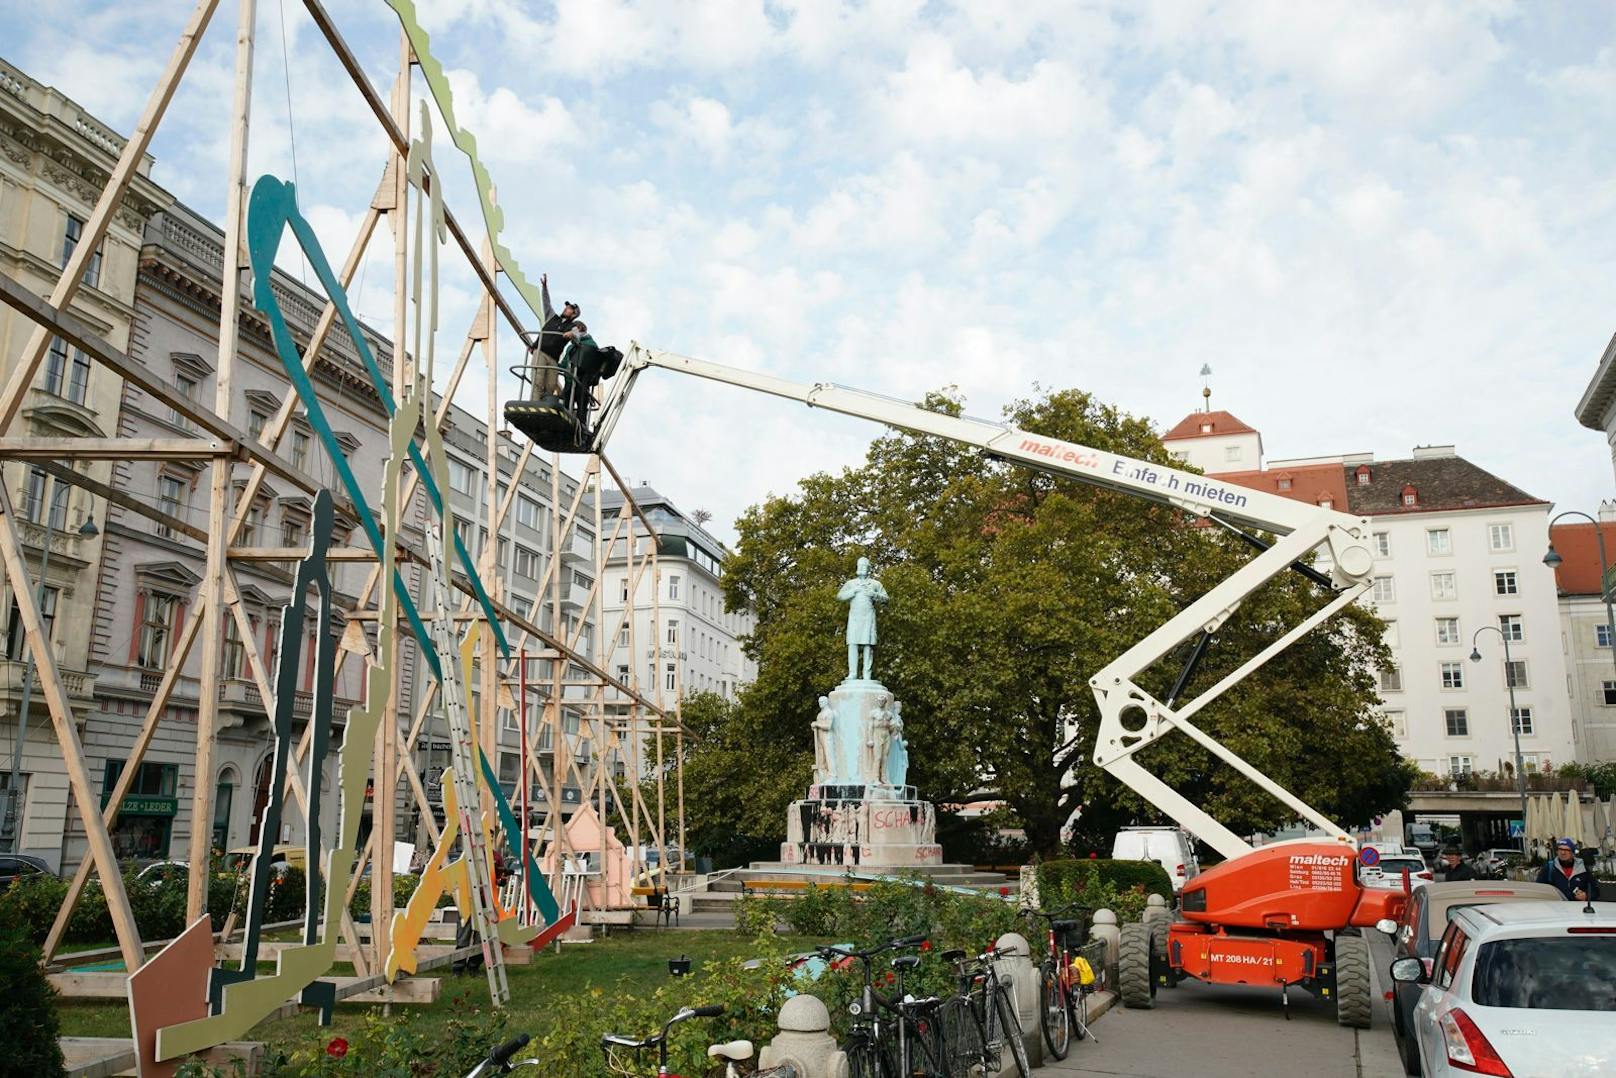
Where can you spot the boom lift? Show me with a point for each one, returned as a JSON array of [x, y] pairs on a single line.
[[1280, 915]]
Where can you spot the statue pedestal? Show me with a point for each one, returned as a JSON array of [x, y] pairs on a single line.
[[860, 813]]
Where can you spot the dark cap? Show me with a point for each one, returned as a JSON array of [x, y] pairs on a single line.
[[1452, 851], [1567, 844]]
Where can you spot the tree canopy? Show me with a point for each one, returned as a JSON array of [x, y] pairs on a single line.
[[1009, 590]]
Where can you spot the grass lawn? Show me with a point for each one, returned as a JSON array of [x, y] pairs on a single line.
[[638, 958]]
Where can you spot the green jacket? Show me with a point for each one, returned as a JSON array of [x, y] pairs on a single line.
[[575, 349]]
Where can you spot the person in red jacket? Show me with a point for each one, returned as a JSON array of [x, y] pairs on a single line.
[[1578, 885]]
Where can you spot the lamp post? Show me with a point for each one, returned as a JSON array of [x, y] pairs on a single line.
[[13, 818], [1514, 727], [1553, 559]]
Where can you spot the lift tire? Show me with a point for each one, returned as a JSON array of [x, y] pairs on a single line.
[[1134, 978], [1158, 938], [1353, 995]]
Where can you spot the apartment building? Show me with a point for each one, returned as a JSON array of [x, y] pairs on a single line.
[[1586, 633], [1458, 554], [697, 647], [54, 160]]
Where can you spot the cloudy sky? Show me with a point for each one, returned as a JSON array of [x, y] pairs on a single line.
[[1382, 225]]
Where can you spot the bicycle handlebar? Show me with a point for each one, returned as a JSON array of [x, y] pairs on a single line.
[[713, 1011], [502, 1055], [866, 956]]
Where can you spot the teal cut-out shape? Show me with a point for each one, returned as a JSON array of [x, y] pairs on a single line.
[[270, 209]]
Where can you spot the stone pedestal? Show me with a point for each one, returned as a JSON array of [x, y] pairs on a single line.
[[860, 813]]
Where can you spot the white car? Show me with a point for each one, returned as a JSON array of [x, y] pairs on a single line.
[[1170, 847], [1387, 874], [1518, 990]]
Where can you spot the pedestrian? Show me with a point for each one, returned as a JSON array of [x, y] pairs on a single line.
[[1563, 873], [1454, 867], [577, 361], [553, 340]]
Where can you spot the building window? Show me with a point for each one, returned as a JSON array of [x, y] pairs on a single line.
[[1501, 537], [1395, 722], [300, 450], [1385, 590], [1504, 583], [527, 512], [16, 639], [250, 524], [1447, 631], [1529, 763], [1444, 586], [1383, 544], [1283, 484], [1411, 497], [1460, 766], [622, 637], [71, 237], [156, 623], [462, 477], [173, 494], [33, 500], [256, 422], [1363, 475], [1391, 679], [291, 530], [1326, 503], [1607, 692], [673, 632], [1438, 541], [1458, 723], [1206, 428], [527, 562], [1452, 675], [1510, 626], [1393, 638], [624, 589], [186, 385], [1515, 674], [235, 655], [1522, 717], [1231, 453], [673, 586], [672, 681], [66, 376], [1602, 636]]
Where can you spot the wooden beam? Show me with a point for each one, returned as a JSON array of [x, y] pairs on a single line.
[[112, 448], [67, 737], [122, 499], [298, 553]]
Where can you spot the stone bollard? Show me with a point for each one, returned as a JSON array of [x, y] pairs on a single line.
[[1016, 969], [1158, 918], [804, 1041], [1105, 928]]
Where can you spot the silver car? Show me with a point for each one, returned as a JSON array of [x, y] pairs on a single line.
[[1518, 990]]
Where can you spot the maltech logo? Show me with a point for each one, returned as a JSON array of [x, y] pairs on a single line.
[[1319, 860]]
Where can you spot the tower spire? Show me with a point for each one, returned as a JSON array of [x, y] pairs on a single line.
[[1206, 387]]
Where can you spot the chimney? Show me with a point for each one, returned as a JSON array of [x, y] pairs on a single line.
[[1431, 452], [1607, 512]]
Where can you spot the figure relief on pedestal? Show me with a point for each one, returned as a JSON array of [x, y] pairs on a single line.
[[824, 753], [872, 762], [895, 764], [861, 594]]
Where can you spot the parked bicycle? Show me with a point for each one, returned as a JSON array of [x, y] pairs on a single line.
[[1065, 982], [909, 1043], [499, 1060], [622, 1053], [980, 1020]]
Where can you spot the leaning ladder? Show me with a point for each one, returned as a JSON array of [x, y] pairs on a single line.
[[468, 801]]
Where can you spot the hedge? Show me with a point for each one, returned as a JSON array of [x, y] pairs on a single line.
[[1075, 877]]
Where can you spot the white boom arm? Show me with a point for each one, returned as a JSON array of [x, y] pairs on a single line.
[[1130, 718]]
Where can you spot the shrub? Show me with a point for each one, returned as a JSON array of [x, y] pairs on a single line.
[[1121, 886], [28, 1025]]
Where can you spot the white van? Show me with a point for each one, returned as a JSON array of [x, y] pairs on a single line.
[[1170, 847]]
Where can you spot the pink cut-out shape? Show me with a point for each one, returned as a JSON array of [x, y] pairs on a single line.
[[172, 987]]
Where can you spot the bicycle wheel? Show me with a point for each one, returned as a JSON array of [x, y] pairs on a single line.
[[962, 1035], [1053, 1016], [1011, 1026], [863, 1059], [928, 1055], [1078, 1003]]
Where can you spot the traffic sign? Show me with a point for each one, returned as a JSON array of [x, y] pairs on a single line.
[[1369, 856]]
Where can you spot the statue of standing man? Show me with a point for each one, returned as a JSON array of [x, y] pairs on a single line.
[[862, 593]]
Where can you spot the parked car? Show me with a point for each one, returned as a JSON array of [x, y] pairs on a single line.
[[1416, 934], [241, 859], [14, 866], [1516, 989], [157, 873], [1387, 874], [1496, 864], [1170, 847]]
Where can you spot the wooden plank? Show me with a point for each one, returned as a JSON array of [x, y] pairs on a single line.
[[99, 1057], [413, 990], [298, 553], [112, 448], [120, 498], [171, 988]]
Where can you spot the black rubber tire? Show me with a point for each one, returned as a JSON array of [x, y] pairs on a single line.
[[863, 1059], [1137, 986], [1077, 1005], [1354, 1002], [1158, 938], [1054, 1016], [1010, 1025]]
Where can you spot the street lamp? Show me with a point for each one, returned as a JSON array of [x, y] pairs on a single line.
[[1514, 727], [1553, 559], [13, 820]]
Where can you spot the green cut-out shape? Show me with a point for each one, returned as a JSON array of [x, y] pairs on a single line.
[[493, 216]]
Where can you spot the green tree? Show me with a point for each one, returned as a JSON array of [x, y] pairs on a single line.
[[1010, 589]]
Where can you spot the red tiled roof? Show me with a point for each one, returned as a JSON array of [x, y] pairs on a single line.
[[1310, 483], [1222, 423], [1578, 574]]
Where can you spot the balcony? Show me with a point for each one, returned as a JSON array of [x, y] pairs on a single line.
[[80, 686], [241, 697]]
